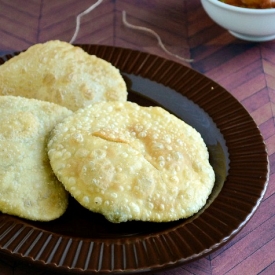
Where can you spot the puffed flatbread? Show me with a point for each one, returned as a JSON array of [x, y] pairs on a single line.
[[129, 162], [28, 186], [61, 73]]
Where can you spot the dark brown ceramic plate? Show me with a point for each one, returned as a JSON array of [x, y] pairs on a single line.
[[85, 243]]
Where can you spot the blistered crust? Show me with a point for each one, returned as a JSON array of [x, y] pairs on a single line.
[[28, 186], [132, 163], [58, 72]]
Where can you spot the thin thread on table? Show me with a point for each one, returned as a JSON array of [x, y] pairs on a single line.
[[128, 25]]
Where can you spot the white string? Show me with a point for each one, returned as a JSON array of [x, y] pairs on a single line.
[[127, 24], [79, 17]]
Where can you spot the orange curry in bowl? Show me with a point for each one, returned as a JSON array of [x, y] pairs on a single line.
[[254, 4]]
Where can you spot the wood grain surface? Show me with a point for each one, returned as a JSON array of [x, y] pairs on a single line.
[[245, 69]]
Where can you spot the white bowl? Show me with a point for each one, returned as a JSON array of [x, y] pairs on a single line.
[[256, 25]]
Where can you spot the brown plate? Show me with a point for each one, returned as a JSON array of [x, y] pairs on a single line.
[[85, 243]]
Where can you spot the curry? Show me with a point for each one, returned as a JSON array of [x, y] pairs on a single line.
[[254, 4]]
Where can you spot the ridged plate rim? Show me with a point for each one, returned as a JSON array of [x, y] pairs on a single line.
[[222, 220]]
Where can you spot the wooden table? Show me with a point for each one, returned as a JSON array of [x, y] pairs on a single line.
[[245, 69]]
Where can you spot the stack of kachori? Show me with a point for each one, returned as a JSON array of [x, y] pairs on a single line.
[[66, 127]]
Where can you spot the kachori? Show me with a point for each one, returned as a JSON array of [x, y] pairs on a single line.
[[61, 73], [130, 162], [28, 186]]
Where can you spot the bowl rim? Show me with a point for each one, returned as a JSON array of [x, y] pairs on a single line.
[[240, 9]]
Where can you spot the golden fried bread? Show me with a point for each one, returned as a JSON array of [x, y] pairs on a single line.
[[28, 186], [129, 162], [58, 72]]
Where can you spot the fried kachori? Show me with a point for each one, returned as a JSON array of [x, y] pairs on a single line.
[[28, 186], [129, 162], [61, 73]]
